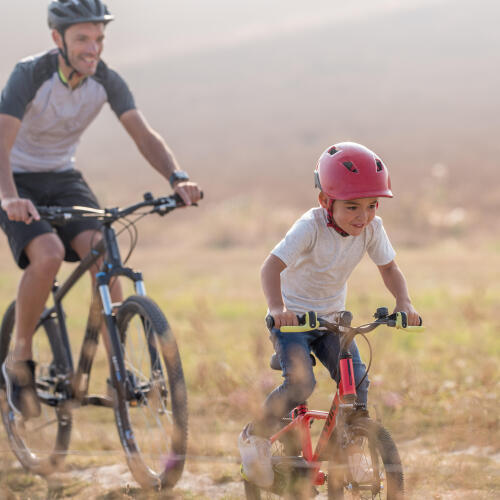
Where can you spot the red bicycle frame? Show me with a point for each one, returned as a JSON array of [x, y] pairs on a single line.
[[302, 417]]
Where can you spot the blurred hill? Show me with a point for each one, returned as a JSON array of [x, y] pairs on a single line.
[[248, 94]]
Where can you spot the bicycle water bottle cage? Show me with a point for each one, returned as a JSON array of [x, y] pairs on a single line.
[[307, 322]]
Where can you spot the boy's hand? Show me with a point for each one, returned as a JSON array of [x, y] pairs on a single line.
[[413, 316], [282, 317]]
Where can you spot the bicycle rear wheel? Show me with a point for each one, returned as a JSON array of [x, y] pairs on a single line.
[[366, 465], [39, 443], [152, 417]]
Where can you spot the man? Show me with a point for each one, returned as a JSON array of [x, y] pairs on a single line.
[[49, 100]]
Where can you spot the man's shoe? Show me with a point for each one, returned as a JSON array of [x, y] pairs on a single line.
[[255, 454], [21, 390]]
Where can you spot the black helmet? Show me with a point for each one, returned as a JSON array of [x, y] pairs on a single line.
[[65, 13]]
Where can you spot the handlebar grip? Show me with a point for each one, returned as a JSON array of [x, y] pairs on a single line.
[[402, 323], [307, 322], [269, 321], [180, 202]]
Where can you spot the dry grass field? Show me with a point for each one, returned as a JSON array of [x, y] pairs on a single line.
[[247, 100]]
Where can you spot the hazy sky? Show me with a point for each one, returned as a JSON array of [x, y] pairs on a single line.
[[152, 28], [193, 25]]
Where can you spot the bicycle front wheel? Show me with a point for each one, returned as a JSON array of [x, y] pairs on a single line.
[[366, 465], [152, 414], [40, 443]]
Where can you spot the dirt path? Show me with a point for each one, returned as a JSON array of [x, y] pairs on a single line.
[[429, 475]]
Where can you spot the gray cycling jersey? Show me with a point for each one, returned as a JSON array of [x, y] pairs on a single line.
[[53, 115]]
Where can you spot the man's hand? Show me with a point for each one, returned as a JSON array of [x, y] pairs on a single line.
[[20, 210], [188, 191]]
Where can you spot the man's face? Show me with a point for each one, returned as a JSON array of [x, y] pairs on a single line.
[[85, 42]]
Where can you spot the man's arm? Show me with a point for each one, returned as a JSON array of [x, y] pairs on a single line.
[[157, 153], [17, 209], [396, 284], [271, 285]]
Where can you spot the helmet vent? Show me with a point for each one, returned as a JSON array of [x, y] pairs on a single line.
[[86, 5], [332, 150], [74, 9], [380, 166], [58, 12], [350, 166]]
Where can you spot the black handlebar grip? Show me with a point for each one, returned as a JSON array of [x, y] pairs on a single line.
[[269, 321], [180, 201]]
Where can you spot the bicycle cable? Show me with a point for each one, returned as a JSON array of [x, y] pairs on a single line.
[[369, 362]]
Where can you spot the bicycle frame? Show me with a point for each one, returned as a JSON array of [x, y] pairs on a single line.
[[302, 419], [345, 395], [77, 382]]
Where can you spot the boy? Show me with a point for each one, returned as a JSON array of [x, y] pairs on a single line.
[[308, 271]]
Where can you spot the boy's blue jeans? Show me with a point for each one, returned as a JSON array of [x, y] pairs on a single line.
[[293, 350]]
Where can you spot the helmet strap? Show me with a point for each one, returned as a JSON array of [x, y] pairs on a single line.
[[64, 54], [330, 222]]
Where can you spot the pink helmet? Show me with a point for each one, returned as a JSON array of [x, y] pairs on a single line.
[[347, 170]]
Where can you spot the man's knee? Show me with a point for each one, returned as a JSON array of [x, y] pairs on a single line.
[[83, 242], [45, 253]]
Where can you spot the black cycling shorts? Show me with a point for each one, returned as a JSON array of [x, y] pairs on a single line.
[[61, 189]]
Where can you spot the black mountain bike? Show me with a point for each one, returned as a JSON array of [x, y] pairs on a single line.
[[145, 388]]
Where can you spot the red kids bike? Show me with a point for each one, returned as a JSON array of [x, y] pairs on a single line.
[[359, 455]]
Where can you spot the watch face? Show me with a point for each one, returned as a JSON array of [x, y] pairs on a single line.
[[178, 175]]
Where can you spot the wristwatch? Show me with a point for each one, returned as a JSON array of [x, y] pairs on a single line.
[[176, 176]]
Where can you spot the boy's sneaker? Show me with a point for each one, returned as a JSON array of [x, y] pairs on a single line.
[[255, 454], [21, 390]]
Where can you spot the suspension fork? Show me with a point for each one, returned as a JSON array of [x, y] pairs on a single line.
[[111, 337]]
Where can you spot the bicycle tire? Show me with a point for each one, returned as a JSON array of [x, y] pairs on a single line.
[[152, 419], [40, 444], [375, 473]]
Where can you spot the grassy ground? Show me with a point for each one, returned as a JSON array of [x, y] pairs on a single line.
[[437, 392]]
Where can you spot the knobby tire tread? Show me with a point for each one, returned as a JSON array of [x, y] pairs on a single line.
[[383, 443], [177, 390], [42, 466]]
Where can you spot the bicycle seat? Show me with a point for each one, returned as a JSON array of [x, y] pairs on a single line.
[[274, 362]]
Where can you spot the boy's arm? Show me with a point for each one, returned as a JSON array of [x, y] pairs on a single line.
[[396, 284], [271, 285]]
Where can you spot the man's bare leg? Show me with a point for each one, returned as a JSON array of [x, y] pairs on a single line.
[[45, 253]]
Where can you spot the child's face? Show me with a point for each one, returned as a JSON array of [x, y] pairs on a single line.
[[354, 215]]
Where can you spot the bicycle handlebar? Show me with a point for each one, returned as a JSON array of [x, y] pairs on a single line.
[[62, 215], [311, 321]]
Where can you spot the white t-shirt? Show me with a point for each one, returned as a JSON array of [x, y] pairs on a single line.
[[319, 261]]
